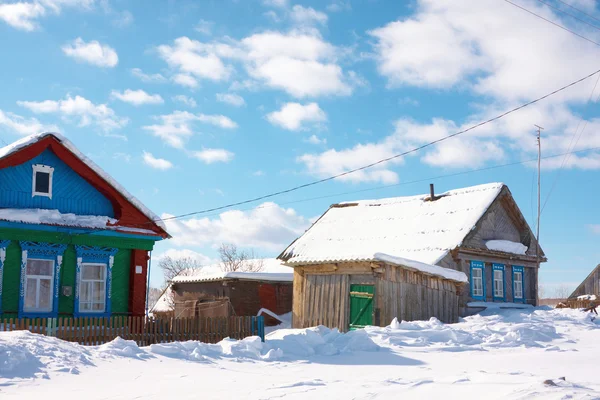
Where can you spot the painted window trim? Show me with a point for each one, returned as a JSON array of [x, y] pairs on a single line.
[[105, 266], [42, 168], [27, 276], [499, 267], [43, 251], [94, 255], [477, 264], [3, 245], [521, 269]]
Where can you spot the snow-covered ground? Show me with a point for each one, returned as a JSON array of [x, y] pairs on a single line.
[[506, 355]]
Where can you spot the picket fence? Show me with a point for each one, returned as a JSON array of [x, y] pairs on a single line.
[[143, 330]]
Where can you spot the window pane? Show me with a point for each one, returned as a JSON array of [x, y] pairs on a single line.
[[98, 307], [98, 291], [84, 306], [40, 267], [42, 182], [93, 272], [85, 292], [45, 296], [30, 289]]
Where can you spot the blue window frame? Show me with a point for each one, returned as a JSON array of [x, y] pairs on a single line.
[[477, 280], [498, 282], [3, 246], [518, 278], [93, 281], [40, 279]]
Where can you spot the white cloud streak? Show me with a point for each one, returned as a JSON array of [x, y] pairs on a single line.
[[156, 163], [93, 52]]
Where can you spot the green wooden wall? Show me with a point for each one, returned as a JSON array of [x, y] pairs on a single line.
[[66, 305]]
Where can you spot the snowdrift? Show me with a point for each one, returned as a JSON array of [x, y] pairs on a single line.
[[24, 355]]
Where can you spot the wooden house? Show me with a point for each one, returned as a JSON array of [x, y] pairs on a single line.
[[73, 242], [211, 292], [402, 252], [589, 289]]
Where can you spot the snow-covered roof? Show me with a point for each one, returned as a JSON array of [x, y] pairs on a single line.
[[506, 246], [445, 273], [272, 270], [410, 227], [32, 139], [164, 303]]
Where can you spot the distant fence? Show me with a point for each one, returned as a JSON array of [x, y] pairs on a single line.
[[144, 331], [574, 303]]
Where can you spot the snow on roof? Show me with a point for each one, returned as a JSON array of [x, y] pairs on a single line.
[[164, 303], [410, 227], [430, 269], [272, 270], [54, 217], [506, 246], [29, 140]]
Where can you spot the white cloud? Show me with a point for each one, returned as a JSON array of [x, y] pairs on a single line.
[[22, 15], [137, 97], [149, 78], [204, 27], [268, 227], [25, 15], [217, 120], [339, 5], [177, 127], [295, 116], [188, 101], [258, 173], [93, 53], [14, 123], [123, 19], [156, 163], [195, 60], [307, 16], [231, 98], [210, 156], [314, 139], [122, 156], [187, 253], [185, 80], [300, 63], [276, 3], [80, 109]]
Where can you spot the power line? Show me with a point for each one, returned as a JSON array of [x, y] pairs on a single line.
[[553, 23], [569, 14], [578, 10], [384, 160], [571, 145], [429, 179]]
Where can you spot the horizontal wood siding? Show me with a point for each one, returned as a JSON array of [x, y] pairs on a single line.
[[321, 296], [591, 285], [70, 192]]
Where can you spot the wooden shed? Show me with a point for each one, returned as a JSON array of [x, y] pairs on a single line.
[[589, 288], [349, 295], [478, 232]]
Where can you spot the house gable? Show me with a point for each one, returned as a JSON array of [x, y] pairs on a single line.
[[127, 210], [70, 192], [503, 220]]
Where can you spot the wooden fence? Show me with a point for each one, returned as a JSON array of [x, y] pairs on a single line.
[[574, 303], [144, 331]]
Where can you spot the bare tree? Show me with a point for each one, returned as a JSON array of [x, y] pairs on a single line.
[[233, 259], [562, 292], [172, 267]]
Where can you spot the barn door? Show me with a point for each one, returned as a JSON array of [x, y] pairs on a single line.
[[361, 306]]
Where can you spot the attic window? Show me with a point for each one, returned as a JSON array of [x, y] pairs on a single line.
[[42, 181]]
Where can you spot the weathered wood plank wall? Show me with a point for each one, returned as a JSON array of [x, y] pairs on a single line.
[[322, 292], [591, 284]]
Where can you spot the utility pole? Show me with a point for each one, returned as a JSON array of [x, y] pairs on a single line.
[[537, 239]]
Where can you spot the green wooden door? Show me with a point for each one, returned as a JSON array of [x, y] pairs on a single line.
[[361, 306]]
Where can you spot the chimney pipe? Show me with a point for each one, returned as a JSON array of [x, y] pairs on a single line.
[[431, 192]]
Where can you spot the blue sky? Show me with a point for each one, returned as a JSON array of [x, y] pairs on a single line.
[[195, 104]]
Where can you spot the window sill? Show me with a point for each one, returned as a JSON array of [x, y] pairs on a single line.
[[103, 314], [38, 314]]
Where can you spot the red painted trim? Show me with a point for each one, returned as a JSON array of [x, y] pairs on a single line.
[[125, 211]]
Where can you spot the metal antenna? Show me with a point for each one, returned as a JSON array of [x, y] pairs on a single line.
[[539, 183]]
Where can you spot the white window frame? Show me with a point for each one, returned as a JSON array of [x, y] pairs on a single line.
[[520, 285], [45, 169], [478, 291], [499, 293], [81, 281], [37, 288]]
